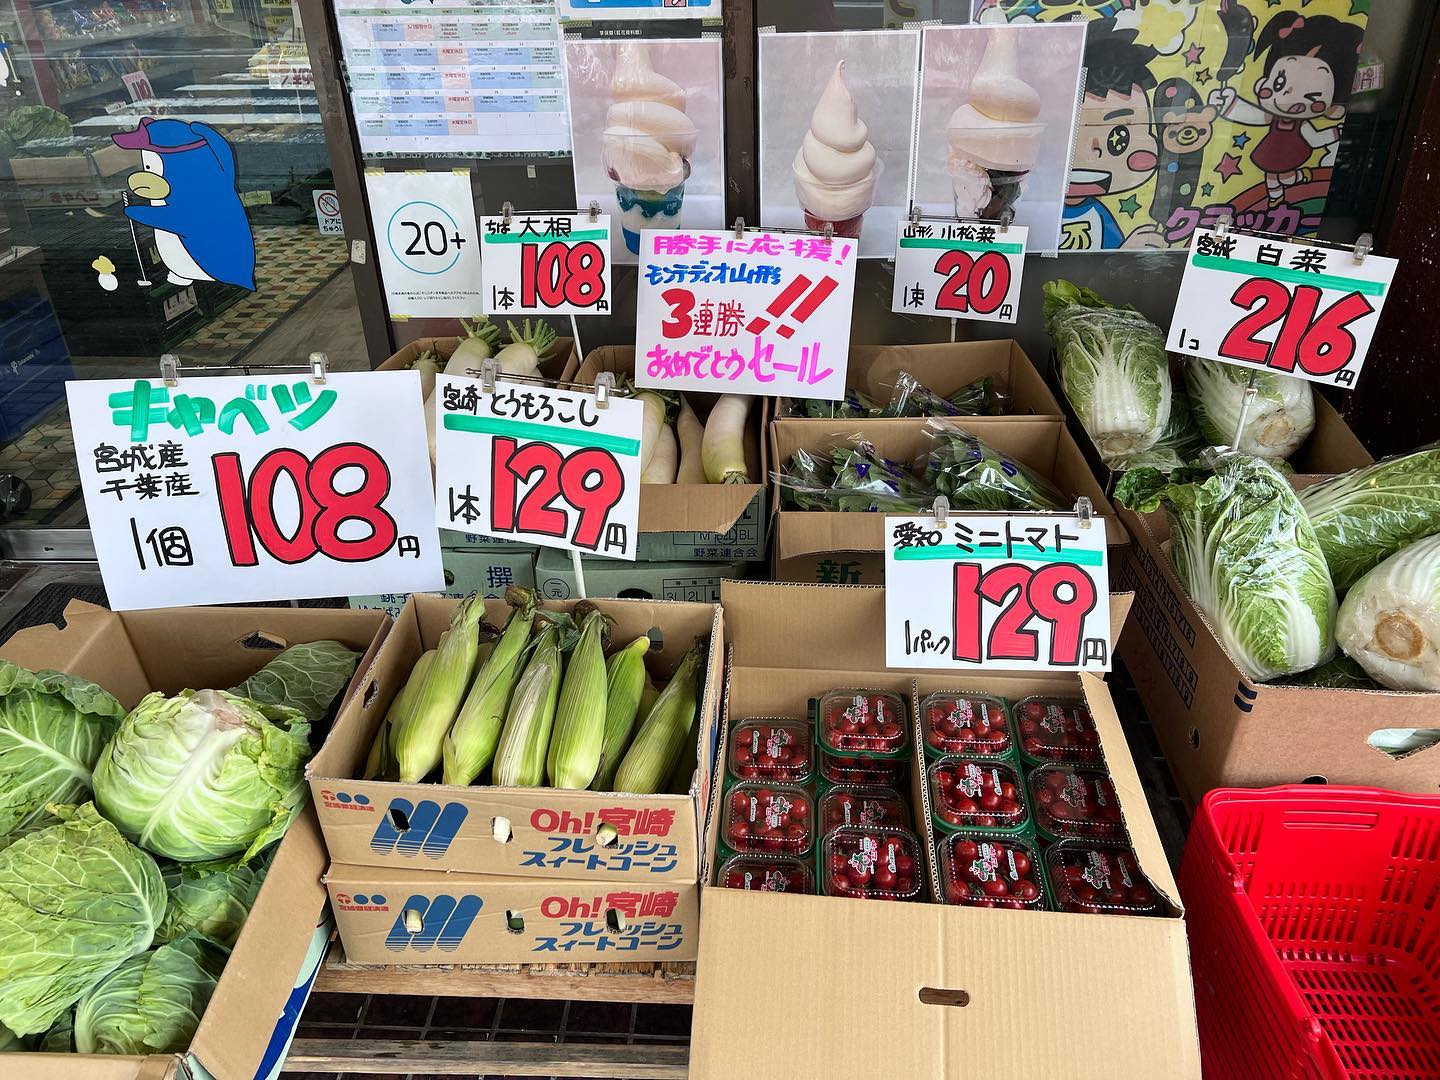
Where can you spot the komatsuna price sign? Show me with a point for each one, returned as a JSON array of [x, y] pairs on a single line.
[[1023, 592], [546, 264], [262, 487], [520, 461], [745, 312], [959, 270], [1267, 305]]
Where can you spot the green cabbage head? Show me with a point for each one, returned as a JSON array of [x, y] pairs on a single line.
[[306, 677], [204, 774], [213, 899], [151, 1004]]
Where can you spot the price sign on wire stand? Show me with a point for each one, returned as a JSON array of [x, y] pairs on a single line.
[[1021, 592], [555, 467], [1268, 305], [546, 263], [745, 311], [217, 490], [958, 269]]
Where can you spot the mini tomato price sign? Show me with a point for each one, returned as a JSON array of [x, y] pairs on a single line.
[[1023, 592], [546, 264], [263, 487], [750, 313], [1297, 309], [541, 466], [959, 270]]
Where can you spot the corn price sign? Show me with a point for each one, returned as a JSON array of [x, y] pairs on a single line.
[[545, 264], [959, 270]]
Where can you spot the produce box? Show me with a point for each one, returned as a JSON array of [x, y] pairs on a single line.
[[404, 915], [561, 356], [1219, 728], [694, 582], [251, 1017], [945, 367], [696, 522], [940, 987], [476, 570], [525, 832]]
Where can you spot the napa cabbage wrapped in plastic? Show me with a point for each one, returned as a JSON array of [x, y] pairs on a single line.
[[1280, 419], [1390, 620]]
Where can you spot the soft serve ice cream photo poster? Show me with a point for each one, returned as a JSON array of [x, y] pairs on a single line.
[[836, 115], [647, 125], [995, 122]]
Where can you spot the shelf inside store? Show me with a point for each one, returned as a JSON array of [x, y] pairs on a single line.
[[105, 86], [124, 33]]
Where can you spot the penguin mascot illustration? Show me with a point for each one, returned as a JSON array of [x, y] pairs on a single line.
[[188, 176]]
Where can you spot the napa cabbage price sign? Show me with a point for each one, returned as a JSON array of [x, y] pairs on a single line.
[[1021, 592]]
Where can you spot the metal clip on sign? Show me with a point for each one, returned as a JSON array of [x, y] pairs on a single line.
[[739, 228], [1085, 511], [604, 387], [1363, 247], [170, 369], [829, 232], [507, 211], [914, 214], [1005, 220], [319, 366], [594, 211], [489, 371], [941, 509]]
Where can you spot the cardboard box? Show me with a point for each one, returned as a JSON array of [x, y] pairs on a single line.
[[832, 568], [942, 991], [412, 916], [946, 367], [560, 360], [258, 999], [478, 570], [1219, 728], [516, 832], [697, 583]]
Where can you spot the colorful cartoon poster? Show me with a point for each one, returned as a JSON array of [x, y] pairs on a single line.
[[1195, 111]]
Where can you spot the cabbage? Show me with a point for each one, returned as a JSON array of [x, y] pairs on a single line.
[[1113, 367], [307, 678], [76, 901], [1281, 416], [1246, 554], [213, 899], [52, 728], [1363, 517], [1179, 443], [60, 1039], [151, 1004], [1390, 620], [204, 774]]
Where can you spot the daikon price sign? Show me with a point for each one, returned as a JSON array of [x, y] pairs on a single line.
[[541, 466], [959, 270], [759, 313], [1023, 592], [1267, 305], [546, 264], [260, 487]]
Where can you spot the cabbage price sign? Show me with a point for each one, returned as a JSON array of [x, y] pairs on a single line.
[[546, 264], [538, 465], [1267, 305], [261, 487], [959, 270], [1024, 592]]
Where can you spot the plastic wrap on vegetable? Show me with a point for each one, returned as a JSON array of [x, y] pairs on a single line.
[[911, 397], [973, 475], [1390, 620], [1341, 673], [1363, 517], [1179, 444], [854, 405], [861, 471], [1246, 554], [1280, 419]]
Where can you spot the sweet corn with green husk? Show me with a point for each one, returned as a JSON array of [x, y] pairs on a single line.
[[625, 683], [662, 737], [470, 744], [418, 738], [380, 765], [574, 755], [648, 695], [520, 757]]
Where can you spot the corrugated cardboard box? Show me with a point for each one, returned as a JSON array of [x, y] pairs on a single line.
[[257, 1002], [909, 991], [690, 581], [526, 832], [475, 570], [410, 916]]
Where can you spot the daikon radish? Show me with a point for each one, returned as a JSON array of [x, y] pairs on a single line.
[[651, 425], [479, 343], [690, 433], [661, 469], [722, 450], [527, 348]]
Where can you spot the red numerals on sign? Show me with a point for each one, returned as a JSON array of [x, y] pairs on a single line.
[[1060, 594], [978, 285], [682, 303], [247, 510], [559, 274], [589, 480], [1318, 342]]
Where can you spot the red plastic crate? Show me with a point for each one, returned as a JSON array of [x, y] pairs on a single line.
[[1314, 922]]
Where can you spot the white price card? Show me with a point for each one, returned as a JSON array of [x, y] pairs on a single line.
[[959, 270], [1022, 592], [538, 465], [261, 487], [1268, 305], [759, 313], [426, 242], [546, 264]]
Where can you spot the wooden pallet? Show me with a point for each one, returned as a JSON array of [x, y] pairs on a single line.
[[397, 1057]]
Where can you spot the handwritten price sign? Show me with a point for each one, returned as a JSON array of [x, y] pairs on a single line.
[[546, 264], [1025, 592], [264, 487], [958, 270], [1294, 308], [764, 313], [540, 466]]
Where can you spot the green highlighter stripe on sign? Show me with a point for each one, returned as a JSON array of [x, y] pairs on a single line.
[[996, 553], [489, 425], [543, 238], [959, 245], [1293, 277]]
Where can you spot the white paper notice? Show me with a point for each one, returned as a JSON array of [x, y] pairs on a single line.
[[261, 487], [546, 263], [426, 242], [960, 270], [638, 10]]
